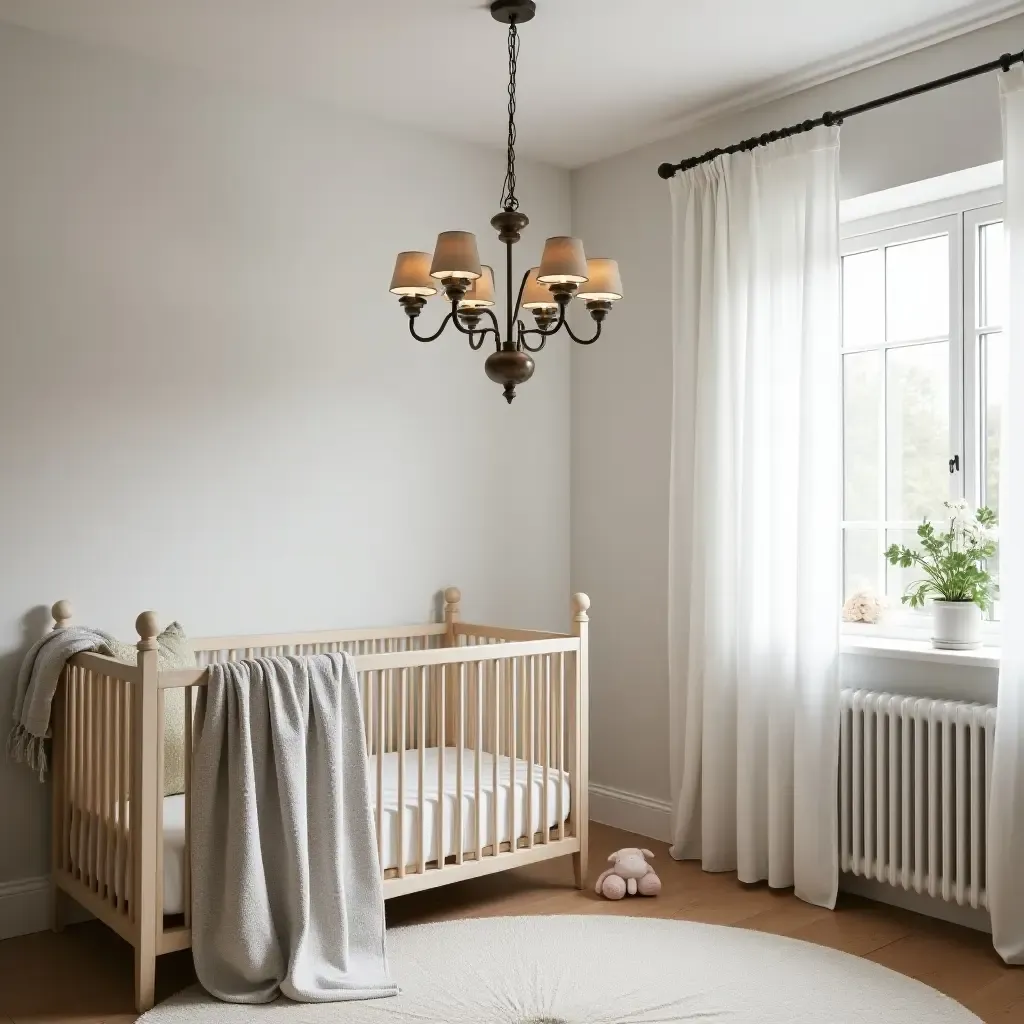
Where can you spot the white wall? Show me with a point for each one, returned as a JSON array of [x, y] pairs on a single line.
[[622, 388], [209, 404]]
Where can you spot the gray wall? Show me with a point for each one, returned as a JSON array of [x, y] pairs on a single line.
[[209, 402], [622, 388]]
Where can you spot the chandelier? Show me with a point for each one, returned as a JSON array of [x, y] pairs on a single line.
[[545, 290]]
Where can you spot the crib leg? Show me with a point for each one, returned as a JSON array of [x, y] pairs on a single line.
[[58, 907], [145, 979], [579, 868]]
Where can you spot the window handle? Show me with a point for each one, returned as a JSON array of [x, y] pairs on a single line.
[[954, 464]]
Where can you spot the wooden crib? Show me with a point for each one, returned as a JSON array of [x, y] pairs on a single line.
[[477, 738]]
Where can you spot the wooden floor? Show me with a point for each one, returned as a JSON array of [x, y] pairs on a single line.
[[85, 974]]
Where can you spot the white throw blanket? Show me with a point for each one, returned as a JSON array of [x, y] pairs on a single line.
[[37, 683], [287, 894]]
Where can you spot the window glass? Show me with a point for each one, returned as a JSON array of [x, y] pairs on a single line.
[[862, 561], [993, 359], [862, 434], [992, 297], [917, 289], [916, 431], [864, 299]]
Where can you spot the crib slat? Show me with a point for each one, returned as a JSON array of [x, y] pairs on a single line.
[[81, 722], [119, 759], [546, 740], [60, 774], [494, 668], [477, 752], [85, 833], [93, 797], [442, 680], [69, 769], [513, 723], [460, 756], [159, 797], [402, 680], [109, 751], [561, 746], [97, 729], [367, 712], [127, 853], [380, 676], [189, 716], [422, 770]]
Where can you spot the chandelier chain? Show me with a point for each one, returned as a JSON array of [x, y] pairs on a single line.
[[509, 201]]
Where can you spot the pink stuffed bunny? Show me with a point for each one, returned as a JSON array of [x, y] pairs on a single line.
[[629, 873]]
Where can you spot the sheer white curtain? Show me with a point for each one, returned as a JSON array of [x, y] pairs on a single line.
[[755, 514], [1005, 880]]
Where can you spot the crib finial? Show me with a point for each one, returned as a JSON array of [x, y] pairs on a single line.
[[580, 605], [61, 613], [452, 597], [147, 625]]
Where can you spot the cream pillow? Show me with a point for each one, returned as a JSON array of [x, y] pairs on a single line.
[[174, 651]]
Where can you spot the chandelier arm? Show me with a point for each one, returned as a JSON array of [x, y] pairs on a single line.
[[482, 336], [433, 337], [522, 291], [525, 344], [585, 341], [453, 315]]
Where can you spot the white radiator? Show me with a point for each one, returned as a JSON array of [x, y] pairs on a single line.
[[914, 781]]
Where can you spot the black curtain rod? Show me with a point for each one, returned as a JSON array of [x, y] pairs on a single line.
[[1004, 63]]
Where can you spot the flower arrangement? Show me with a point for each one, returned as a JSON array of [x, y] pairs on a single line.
[[863, 606], [952, 561]]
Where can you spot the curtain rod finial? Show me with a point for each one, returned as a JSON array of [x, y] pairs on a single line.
[[666, 171]]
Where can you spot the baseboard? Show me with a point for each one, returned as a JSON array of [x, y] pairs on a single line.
[[24, 906], [929, 906], [631, 812]]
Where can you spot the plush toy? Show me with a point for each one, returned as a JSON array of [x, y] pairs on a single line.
[[629, 873]]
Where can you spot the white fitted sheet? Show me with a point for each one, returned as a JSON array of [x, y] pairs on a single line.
[[512, 783]]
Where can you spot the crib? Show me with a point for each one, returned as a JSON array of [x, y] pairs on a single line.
[[477, 744]]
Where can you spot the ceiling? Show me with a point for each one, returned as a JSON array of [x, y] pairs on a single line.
[[596, 76]]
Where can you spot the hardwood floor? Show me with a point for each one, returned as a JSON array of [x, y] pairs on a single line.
[[84, 975]]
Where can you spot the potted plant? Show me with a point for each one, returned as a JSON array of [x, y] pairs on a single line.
[[955, 577]]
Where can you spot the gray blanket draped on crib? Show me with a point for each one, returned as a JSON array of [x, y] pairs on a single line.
[[287, 895]]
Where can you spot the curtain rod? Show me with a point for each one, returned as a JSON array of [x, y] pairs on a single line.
[[830, 117]]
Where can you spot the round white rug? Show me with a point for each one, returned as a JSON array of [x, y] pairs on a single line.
[[613, 970]]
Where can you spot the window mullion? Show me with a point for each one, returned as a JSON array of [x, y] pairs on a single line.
[[970, 362], [958, 268]]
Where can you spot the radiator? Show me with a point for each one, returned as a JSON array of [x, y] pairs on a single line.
[[914, 783]]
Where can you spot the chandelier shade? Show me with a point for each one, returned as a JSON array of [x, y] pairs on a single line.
[[563, 262], [603, 282], [537, 295], [481, 291], [456, 256], [412, 275], [545, 291]]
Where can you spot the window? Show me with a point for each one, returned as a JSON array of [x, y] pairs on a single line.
[[924, 359]]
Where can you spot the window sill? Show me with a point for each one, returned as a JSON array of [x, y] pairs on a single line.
[[918, 650]]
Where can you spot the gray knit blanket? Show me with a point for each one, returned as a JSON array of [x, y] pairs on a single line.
[[37, 683], [287, 895]]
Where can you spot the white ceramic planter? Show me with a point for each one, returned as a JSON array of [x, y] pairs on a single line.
[[956, 625]]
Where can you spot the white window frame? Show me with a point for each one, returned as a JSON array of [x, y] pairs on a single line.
[[961, 217]]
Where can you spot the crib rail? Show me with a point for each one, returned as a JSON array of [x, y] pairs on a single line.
[[386, 640]]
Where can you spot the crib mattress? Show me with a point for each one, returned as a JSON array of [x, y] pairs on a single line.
[[513, 780]]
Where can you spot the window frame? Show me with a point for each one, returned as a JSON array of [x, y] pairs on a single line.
[[961, 217]]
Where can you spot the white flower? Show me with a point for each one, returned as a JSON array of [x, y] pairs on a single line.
[[863, 606]]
